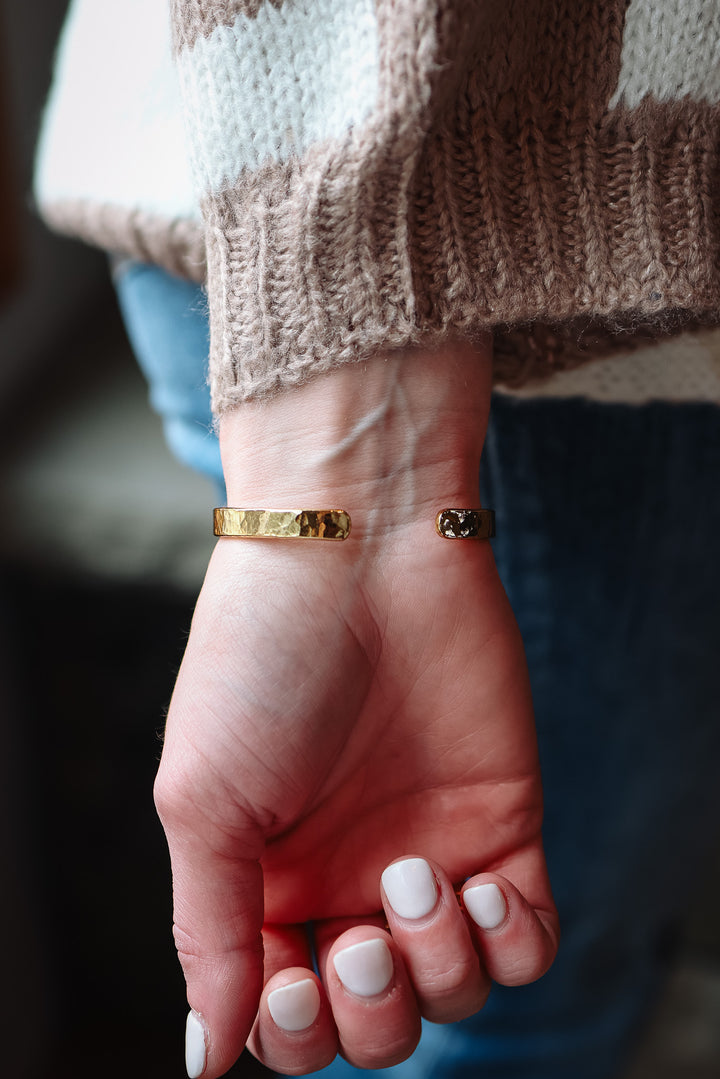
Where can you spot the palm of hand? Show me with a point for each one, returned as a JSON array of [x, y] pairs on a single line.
[[406, 727]]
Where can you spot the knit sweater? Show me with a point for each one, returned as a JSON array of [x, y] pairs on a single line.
[[351, 176]]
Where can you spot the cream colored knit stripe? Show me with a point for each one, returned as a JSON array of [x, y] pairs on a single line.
[[671, 48], [269, 87]]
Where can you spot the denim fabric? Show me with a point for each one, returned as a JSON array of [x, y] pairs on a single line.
[[167, 324], [607, 526]]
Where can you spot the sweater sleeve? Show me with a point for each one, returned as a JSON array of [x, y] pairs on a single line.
[[375, 174], [379, 173], [307, 124]]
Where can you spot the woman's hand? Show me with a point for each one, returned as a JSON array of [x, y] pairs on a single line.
[[342, 706]]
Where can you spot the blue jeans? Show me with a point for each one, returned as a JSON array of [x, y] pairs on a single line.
[[166, 320], [607, 526]]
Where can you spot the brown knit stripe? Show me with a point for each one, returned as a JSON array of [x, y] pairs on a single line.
[[313, 267], [588, 199], [177, 245], [198, 18], [540, 82]]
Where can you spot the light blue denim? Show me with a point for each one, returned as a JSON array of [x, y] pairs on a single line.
[[607, 543], [166, 321]]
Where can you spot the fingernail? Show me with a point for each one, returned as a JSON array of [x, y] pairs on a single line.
[[195, 1047], [365, 969], [410, 887], [486, 905], [295, 1006]]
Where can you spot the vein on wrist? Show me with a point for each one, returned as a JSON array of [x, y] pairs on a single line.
[[391, 429]]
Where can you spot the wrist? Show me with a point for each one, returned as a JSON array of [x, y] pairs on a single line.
[[396, 433]]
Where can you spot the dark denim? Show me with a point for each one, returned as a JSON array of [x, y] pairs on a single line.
[[607, 543]]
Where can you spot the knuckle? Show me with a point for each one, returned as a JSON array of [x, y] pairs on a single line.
[[181, 794], [170, 797]]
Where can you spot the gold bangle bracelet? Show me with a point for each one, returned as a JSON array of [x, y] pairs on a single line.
[[465, 524], [233, 523], [281, 524]]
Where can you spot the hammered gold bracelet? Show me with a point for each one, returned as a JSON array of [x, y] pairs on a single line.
[[281, 524], [462, 524]]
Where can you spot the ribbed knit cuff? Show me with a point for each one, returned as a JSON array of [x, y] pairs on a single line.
[[308, 268], [326, 260]]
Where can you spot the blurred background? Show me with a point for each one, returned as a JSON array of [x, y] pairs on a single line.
[[103, 544]]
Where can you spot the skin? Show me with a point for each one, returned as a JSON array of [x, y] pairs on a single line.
[[341, 706]]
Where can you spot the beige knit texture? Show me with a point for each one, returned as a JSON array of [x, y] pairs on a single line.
[[177, 244], [491, 186]]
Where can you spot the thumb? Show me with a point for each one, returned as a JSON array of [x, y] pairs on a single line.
[[218, 915]]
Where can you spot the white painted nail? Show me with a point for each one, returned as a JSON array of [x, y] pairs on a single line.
[[365, 969], [195, 1046], [410, 887], [296, 1006], [486, 905]]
